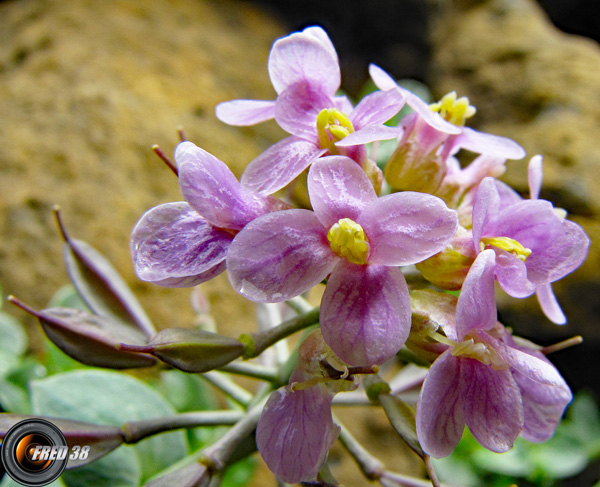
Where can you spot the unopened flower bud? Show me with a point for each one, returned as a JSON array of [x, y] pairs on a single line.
[[447, 269], [191, 350]]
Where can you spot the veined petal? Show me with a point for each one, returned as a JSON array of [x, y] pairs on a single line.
[[549, 304], [245, 112], [485, 209], [440, 419], [338, 188], [371, 133], [210, 187], [483, 143], [535, 175], [365, 312], [295, 432], [173, 246], [279, 165], [511, 273], [279, 256], [532, 366], [406, 228], [297, 108], [476, 308], [491, 404], [304, 57], [377, 108], [508, 196]]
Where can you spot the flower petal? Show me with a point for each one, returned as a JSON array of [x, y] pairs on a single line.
[[173, 246], [210, 187], [549, 304], [279, 256], [484, 143], [406, 228], [535, 175], [377, 108], [295, 432], [371, 133], [485, 209], [365, 312], [245, 112], [338, 188], [512, 275], [491, 404], [304, 57], [440, 420], [279, 165]]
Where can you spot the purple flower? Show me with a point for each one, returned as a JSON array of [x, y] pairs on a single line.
[[185, 243], [499, 391], [305, 73], [534, 244], [357, 239], [432, 134]]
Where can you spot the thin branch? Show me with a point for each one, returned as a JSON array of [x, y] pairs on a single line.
[[370, 466], [234, 391], [254, 370]]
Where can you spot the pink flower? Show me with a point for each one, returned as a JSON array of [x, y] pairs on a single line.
[[357, 238]]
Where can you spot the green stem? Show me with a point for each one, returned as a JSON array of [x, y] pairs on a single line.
[[248, 369], [370, 466], [228, 387]]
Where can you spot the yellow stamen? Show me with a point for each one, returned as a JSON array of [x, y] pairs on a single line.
[[508, 244], [347, 239], [454, 110], [332, 126]]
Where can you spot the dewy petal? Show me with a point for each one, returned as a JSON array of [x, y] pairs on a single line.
[[476, 308], [245, 112], [304, 56], [368, 134], [297, 108], [549, 304], [440, 420], [365, 312], [377, 108], [535, 175], [338, 188], [491, 404], [173, 246], [210, 187], [483, 143], [406, 228], [279, 256], [279, 165], [295, 432]]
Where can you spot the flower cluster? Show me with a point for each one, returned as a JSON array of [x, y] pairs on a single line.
[[462, 228]]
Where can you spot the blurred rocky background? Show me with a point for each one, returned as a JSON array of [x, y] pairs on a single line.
[[86, 89]]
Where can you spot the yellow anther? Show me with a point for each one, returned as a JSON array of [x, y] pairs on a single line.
[[508, 244], [454, 110], [347, 239], [332, 126]]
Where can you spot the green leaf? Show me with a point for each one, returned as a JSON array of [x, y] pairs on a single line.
[[67, 297], [240, 473], [8, 482], [120, 468], [103, 397], [13, 339]]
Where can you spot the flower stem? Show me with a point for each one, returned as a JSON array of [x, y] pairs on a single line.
[[228, 387], [576, 340], [249, 369], [370, 466]]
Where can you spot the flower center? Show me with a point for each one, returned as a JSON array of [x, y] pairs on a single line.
[[470, 348], [347, 239], [506, 243], [454, 110], [332, 126]]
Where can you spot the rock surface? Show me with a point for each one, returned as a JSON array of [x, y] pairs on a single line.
[[540, 87]]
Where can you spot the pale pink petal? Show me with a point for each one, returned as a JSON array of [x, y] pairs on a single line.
[[382, 80], [485, 209], [483, 143], [338, 188], [377, 108], [508, 196], [210, 187], [173, 246], [511, 273], [295, 432], [245, 112], [492, 404], [534, 367], [301, 57], [343, 104], [476, 308], [371, 133], [440, 420], [365, 312], [279, 165], [406, 228], [535, 175], [549, 304], [279, 256]]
